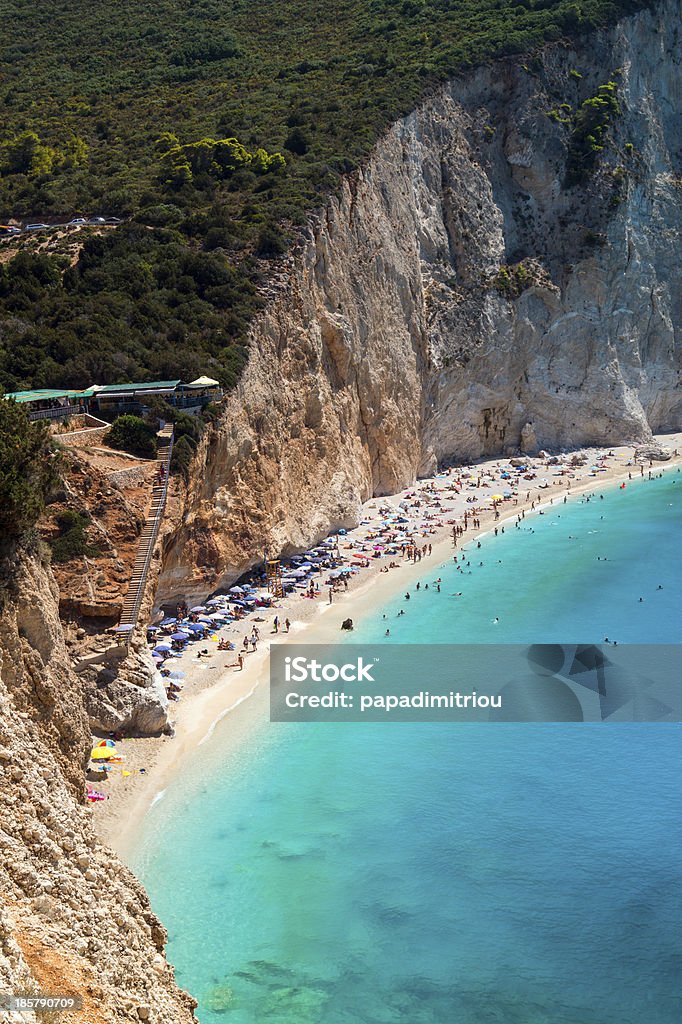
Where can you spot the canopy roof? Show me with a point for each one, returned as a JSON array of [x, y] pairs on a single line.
[[145, 386], [47, 394], [203, 382]]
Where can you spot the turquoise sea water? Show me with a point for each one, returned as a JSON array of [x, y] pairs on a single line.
[[449, 874]]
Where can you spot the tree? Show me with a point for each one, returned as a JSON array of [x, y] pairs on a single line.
[[28, 468], [132, 434], [297, 141]]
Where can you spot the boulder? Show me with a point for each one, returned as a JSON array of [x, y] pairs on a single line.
[[652, 452]]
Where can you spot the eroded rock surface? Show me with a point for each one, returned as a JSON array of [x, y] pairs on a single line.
[[73, 919]]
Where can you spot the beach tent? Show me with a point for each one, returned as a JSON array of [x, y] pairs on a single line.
[[103, 753]]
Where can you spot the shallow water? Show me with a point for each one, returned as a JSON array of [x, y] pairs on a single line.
[[434, 874]]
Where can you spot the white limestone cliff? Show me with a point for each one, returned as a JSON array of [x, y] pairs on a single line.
[[387, 348]]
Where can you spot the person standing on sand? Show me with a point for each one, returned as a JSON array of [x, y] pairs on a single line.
[[275, 624], [330, 595], [287, 625], [240, 661]]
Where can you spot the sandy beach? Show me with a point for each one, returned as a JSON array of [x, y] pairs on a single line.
[[215, 687]]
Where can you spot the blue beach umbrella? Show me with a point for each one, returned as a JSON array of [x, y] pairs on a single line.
[[179, 636], [162, 648], [196, 627]]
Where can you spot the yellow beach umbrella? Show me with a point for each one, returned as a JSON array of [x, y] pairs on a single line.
[[103, 753], [497, 497]]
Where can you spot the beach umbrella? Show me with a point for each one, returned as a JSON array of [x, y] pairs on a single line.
[[196, 627], [198, 608], [180, 636], [162, 647], [103, 753], [497, 497], [204, 618], [213, 600], [236, 590]]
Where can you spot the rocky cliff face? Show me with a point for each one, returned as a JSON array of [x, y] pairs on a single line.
[[458, 299], [73, 919]]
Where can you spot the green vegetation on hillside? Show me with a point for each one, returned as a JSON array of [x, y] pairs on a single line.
[[216, 125], [590, 125], [28, 469], [72, 540], [132, 434]]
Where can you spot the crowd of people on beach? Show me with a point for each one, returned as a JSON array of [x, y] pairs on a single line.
[[393, 532]]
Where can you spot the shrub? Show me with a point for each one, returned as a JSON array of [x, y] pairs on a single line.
[[512, 280], [183, 453], [590, 128], [72, 541], [132, 434]]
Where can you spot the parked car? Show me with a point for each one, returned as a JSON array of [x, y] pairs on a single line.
[[8, 229], [77, 220], [97, 220], [36, 227], [113, 220]]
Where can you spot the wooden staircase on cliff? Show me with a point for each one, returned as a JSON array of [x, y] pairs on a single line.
[[138, 580]]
